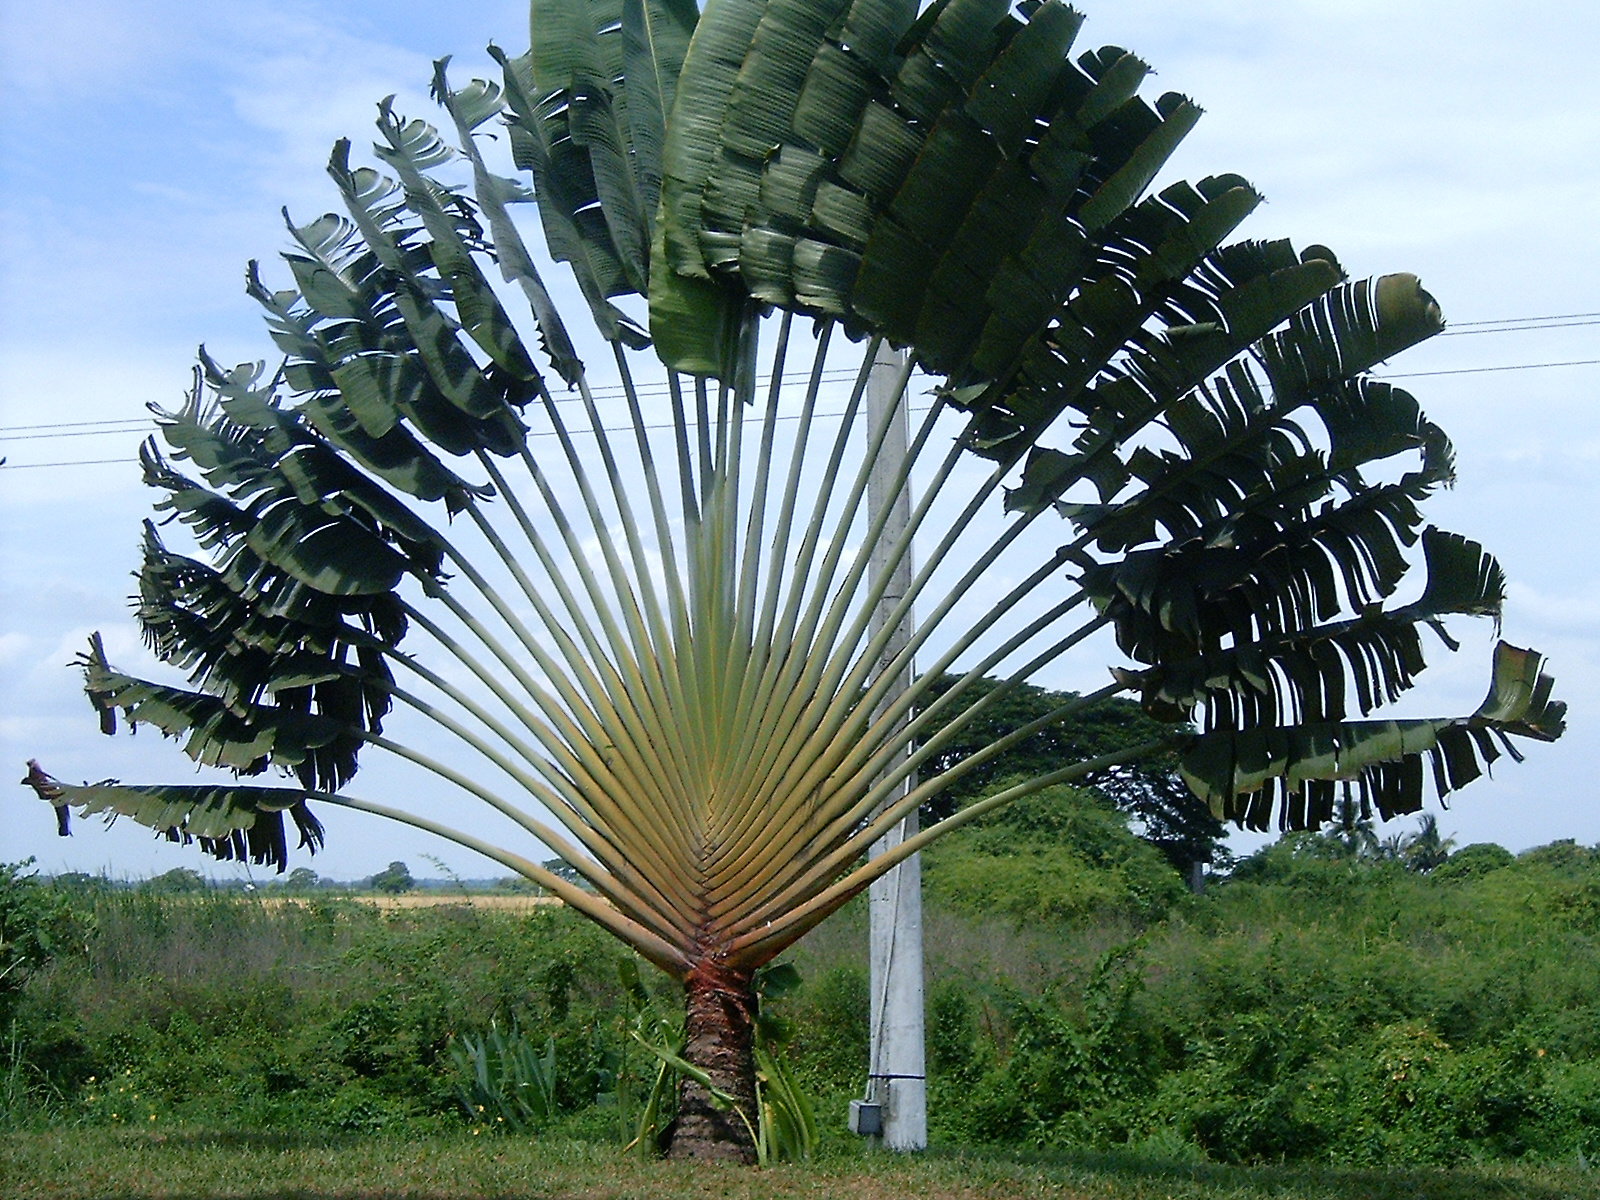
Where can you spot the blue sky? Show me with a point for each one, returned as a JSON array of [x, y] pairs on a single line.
[[146, 149]]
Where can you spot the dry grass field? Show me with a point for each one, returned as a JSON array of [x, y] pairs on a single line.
[[493, 902]]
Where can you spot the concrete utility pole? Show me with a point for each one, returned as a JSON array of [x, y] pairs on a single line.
[[897, 1080]]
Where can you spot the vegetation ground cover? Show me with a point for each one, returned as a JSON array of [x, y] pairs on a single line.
[[103, 1163], [1324, 1018]]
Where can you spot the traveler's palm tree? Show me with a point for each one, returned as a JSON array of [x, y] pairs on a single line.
[[676, 663]]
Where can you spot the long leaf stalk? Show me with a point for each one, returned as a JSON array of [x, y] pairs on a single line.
[[619, 495], [750, 567], [795, 922], [574, 712], [867, 660], [647, 650], [620, 796], [599, 816], [608, 885], [626, 871], [730, 643], [619, 703], [863, 764], [727, 444], [639, 695], [839, 697], [685, 772], [680, 436], [702, 426], [831, 816], [609, 700], [662, 688], [888, 817], [819, 858], [686, 752], [665, 544], [781, 671], [881, 764], [762, 642], [576, 739], [820, 685]]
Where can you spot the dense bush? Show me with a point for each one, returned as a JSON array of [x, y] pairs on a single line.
[[1061, 855], [223, 1008], [1325, 1003]]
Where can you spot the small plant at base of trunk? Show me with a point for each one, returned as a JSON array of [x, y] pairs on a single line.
[[502, 1081]]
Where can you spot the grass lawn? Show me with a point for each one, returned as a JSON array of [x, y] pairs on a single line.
[[198, 1166]]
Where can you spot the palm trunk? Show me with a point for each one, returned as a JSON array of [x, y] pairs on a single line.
[[719, 1022]]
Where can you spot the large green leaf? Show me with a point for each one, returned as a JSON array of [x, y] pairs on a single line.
[[413, 148], [575, 228], [694, 126], [229, 822], [655, 39], [1245, 774], [469, 108], [1266, 676], [901, 173]]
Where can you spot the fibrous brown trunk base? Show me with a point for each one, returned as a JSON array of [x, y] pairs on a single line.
[[719, 1026]]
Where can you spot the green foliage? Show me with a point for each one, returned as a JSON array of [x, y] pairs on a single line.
[[1061, 855], [1477, 859], [1149, 789], [319, 1014], [829, 1017], [503, 1081], [1325, 1004], [35, 926], [179, 880], [393, 879]]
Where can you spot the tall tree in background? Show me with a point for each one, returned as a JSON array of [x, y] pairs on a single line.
[[1149, 789], [657, 657]]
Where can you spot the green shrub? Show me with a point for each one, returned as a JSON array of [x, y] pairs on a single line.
[[1061, 855], [1471, 861], [1323, 1004]]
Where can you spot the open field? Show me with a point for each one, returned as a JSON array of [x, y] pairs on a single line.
[[494, 902], [104, 1164]]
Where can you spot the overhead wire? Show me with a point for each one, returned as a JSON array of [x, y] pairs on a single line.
[[62, 429], [532, 433], [16, 433]]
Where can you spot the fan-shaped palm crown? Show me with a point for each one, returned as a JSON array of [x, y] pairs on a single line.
[[694, 700]]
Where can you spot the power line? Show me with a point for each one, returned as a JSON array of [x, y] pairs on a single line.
[[1522, 320], [17, 433], [95, 462], [648, 391], [1518, 328], [533, 433], [141, 428], [73, 424], [1578, 362], [87, 462]]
